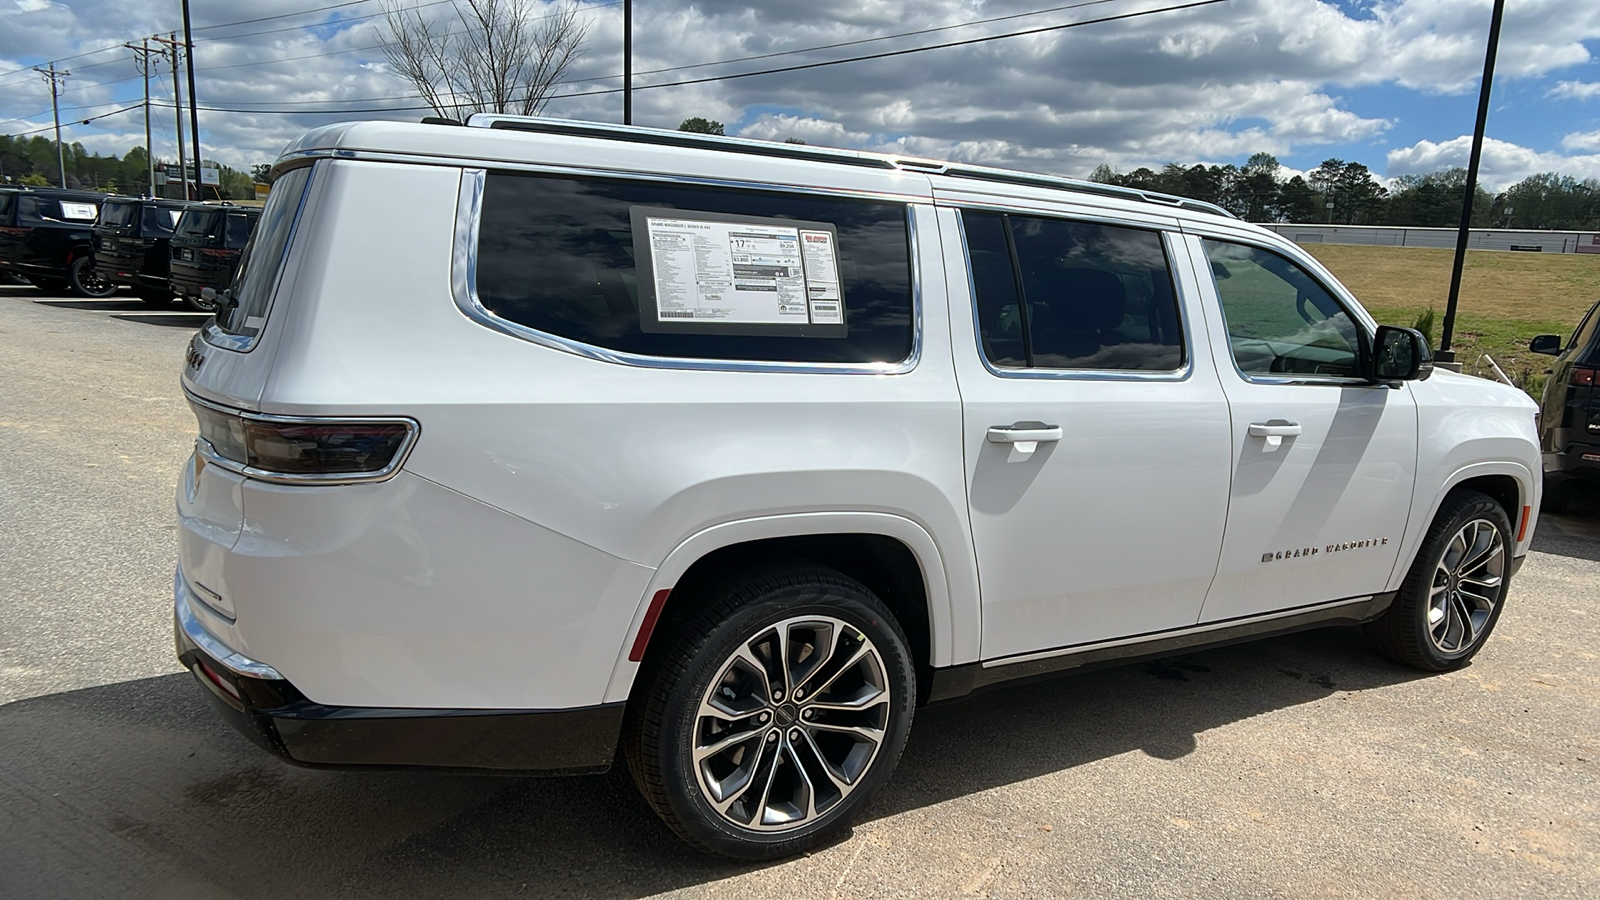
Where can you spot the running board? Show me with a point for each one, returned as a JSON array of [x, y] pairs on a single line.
[[958, 681]]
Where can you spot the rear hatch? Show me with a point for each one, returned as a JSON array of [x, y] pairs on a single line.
[[225, 370], [207, 242], [118, 248]]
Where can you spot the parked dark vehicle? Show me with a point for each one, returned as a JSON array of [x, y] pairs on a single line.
[[205, 250], [132, 245], [1569, 429], [45, 236]]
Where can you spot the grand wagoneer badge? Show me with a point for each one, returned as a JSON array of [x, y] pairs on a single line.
[[1299, 552]]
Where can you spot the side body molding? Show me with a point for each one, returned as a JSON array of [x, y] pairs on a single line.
[[953, 611]]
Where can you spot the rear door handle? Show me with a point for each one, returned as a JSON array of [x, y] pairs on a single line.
[[1274, 430]]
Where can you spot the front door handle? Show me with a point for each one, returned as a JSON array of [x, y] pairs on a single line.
[[1274, 430], [1024, 432]]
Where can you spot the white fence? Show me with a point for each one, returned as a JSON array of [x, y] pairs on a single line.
[[1479, 238]]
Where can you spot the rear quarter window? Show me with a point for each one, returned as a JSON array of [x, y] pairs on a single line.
[[565, 256], [257, 275]]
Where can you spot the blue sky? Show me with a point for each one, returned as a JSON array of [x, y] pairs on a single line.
[[1391, 84]]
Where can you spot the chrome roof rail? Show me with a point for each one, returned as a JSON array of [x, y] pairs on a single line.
[[663, 137]]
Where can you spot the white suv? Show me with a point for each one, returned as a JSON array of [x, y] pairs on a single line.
[[526, 439]]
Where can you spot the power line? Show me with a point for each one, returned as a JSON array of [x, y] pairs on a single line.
[[82, 121], [302, 12], [737, 75]]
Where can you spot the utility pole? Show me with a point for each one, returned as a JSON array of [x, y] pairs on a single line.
[[55, 78], [144, 51], [627, 62], [1446, 354], [171, 40], [194, 114]]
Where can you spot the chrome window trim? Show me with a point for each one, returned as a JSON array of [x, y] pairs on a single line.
[[1153, 221], [244, 343], [231, 659], [464, 288], [1313, 380], [209, 453], [1045, 373], [469, 163]]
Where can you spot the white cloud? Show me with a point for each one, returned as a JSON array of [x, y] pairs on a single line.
[[1576, 90], [1503, 164], [1584, 140]]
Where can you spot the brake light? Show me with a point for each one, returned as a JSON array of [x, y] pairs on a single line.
[[304, 450], [9, 230], [220, 254], [1582, 377]]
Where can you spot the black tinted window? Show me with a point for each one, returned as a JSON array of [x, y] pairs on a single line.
[[239, 226], [199, 223], [119, 213], [160, 220], [1060, 294], [559, 255], [1584, 334], [8, 202], [257, 274]]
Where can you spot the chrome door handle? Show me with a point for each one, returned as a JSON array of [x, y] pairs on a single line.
[[1274, 431], [1024, 432]]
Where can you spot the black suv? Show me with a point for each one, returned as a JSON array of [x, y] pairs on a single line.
[[205, 250], [1569, 430], [131, 245], [45, 236]]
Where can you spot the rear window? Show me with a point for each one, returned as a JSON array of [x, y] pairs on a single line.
[[158, 221], [7, 203], [119, 214], [239, 226], [674, 270], [262, 259], [199, 223]]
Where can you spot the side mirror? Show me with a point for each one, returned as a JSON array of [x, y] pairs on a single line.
[[1548, 344], [1401, 354], [208, 294]]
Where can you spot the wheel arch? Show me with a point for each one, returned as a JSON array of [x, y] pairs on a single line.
[[1508, 483], [892, 555]]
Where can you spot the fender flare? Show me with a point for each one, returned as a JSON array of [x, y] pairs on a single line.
[[942, 616], [1528, 493]]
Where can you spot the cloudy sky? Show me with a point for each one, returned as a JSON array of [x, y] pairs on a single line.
[[1389, 83]]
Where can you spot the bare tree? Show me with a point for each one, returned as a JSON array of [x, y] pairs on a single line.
[[505, 58]]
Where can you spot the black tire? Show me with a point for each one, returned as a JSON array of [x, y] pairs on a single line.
[[160, 299], [197, 303], [741, 612], [1420, 628], [83, 281], [1557, 497]]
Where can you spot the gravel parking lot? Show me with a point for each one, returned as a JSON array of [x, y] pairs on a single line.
[[1301, 766]]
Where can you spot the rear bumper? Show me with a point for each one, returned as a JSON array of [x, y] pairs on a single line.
[[1577, 461], [277, 717]]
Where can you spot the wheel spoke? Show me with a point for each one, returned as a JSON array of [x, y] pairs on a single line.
[[872, 734], [1459, 608], [840, 782], [738, 737]]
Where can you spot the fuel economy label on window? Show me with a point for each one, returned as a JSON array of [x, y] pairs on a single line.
[[726, 274]]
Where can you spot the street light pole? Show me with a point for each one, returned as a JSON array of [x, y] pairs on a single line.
[[627, 62], [1446, 354], [194, 113]]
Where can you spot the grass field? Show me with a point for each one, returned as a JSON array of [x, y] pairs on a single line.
[[1506, 298]]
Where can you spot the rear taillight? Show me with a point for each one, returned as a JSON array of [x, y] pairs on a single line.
[[303, 450], [1582, 377], [219, 254], [13, 231]]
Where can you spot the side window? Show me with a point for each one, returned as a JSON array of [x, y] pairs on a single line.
[[262, 258], [1281, 321], [726, 274], [1060, 294], [1584, 333]]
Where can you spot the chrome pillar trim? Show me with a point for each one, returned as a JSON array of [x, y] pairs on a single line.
[[464, 288], [232, 660]]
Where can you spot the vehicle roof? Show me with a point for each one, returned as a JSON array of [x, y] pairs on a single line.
[[489, 139]]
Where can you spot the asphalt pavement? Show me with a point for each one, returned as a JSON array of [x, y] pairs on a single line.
[[1304, 766]]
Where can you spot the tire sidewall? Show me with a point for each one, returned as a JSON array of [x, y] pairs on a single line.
[[691, 807], [1419, 584]]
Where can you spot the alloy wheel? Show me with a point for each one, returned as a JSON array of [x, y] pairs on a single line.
[[791, 723], [1467, 583]]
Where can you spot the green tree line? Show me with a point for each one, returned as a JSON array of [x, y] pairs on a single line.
[[32, 160], [1346, 193]]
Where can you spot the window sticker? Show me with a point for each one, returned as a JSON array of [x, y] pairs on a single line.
[[713, 273], [175, 214], [70, 210]]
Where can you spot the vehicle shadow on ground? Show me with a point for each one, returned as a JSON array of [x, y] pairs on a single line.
[[170, 320], [138, 788], [109, 304]]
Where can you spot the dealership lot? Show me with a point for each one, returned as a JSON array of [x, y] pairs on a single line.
[[1302, 766]]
